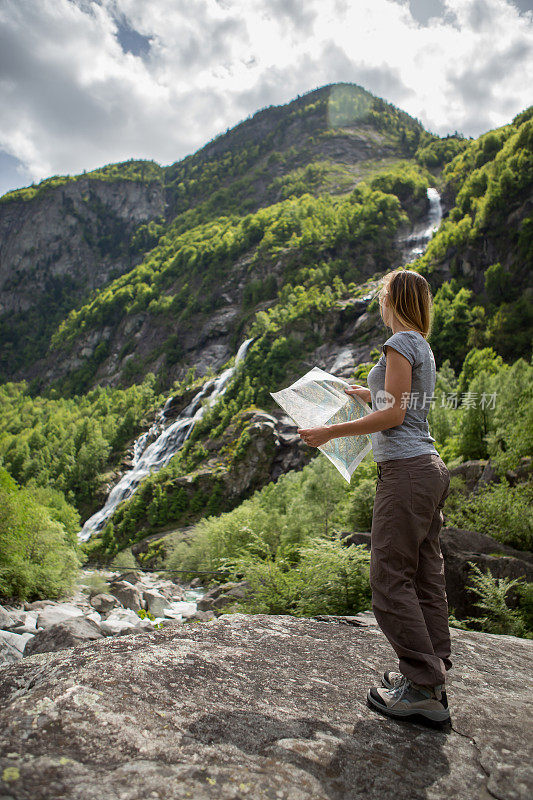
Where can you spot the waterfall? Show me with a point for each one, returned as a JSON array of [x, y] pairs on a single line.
[[148, 459], [416, 242]]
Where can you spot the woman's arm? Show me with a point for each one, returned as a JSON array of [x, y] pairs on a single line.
[[398, 376]]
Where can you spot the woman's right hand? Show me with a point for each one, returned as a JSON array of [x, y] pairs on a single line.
[[360, 391]]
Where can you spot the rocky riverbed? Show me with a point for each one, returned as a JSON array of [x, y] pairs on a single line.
[[106, 603]]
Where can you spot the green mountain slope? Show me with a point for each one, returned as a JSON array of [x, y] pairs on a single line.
[[480, 261], [323, 143]]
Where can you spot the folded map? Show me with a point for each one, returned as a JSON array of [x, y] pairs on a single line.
[[317, 399]]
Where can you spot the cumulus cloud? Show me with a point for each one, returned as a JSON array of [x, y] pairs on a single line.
[[89, 82]]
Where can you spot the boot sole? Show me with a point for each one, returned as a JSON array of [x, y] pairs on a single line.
[[437, 717]]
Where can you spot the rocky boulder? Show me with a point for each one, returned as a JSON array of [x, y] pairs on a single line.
[[28, 624], [471, 471], [128, 595], [54, 614], [169, 604], [171, 590], [202, 616], [18, 620], [132, 576], [104, 602], [38, 604], [155, 602], [222, 595], [123, 620], [16, 641], [8, 652], [259, 706], [6, 619], [65, 634], [460, 547], [478, 473]]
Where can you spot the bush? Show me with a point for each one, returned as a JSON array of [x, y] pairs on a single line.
[[457, 497], [511, 435], [329, 579], [96, 583], [124, 560], [273, 524], [363, 504], [492, 592], [500, 511], [39, 558], [476, 420]]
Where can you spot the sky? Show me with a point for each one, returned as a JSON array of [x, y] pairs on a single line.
[[85, 83]]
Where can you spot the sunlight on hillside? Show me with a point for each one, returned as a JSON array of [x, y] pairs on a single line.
[[346, 105]]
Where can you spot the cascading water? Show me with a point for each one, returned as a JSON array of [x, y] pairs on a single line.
[[151, 458], [416, 242]]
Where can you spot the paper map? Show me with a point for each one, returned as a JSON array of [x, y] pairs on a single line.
[[317, 399]]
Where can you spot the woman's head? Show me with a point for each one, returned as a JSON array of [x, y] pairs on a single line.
[[406, 294]]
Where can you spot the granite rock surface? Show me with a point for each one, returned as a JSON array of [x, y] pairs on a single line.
[[259, 706]]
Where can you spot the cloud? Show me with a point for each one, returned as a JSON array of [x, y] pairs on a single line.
[[300, 16], [13, 173], [425, 10], [86, 83], [481, 15], [473, 90], [381, 80], [476, 83]]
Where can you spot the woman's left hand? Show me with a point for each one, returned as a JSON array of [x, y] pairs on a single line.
[[314, 437]]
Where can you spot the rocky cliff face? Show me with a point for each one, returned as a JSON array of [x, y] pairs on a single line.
[[76, 234], [58, 248], [258, 706], [469, 262]]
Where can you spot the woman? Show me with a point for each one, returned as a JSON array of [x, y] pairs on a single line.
[[406, 564]]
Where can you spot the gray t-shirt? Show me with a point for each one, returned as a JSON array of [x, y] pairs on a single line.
[[412, 437]]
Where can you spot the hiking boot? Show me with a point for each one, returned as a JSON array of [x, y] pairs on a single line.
[[392, 679], [410, 700]]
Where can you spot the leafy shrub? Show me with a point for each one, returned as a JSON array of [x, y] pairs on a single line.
[[144, 614], [511, 435], [53, 443], [273, 524], [487, 412], [364, 493], [455, 323], [524, 592], [124, 560], [330, 578], [457, 497], [500, 511], [499, 617], [96, 583], [441, 151], [477, 419], [38, 557]]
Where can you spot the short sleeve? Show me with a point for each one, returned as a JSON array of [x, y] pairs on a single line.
[[404, 344]]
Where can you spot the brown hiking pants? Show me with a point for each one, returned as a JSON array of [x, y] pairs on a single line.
[[406, 565]]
